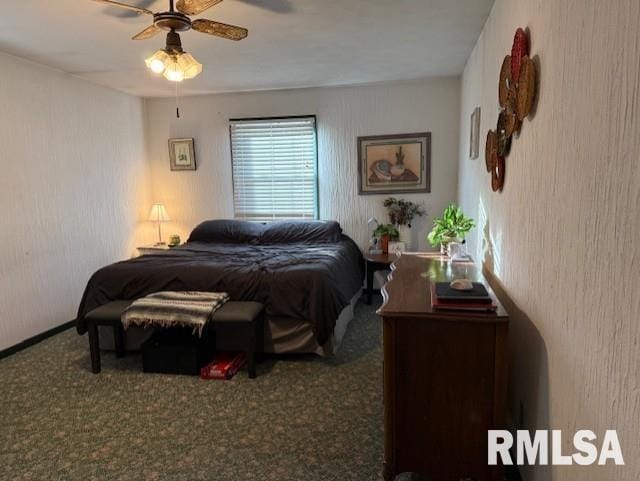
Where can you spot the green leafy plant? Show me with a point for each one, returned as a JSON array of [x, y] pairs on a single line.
[[451, 226], [386, 229], [402, 212]]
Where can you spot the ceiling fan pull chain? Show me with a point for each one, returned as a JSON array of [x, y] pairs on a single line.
[[177, 106]]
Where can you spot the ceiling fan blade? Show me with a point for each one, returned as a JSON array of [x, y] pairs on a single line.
[[218, 29], [194, 7], [148, 32], [124, 5]]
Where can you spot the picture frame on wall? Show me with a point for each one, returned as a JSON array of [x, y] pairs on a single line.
[[182, 154], [474, 134], [394, 164]]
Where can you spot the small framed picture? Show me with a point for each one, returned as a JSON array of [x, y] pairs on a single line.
[[474, 137], [182, 154], [397, 248]]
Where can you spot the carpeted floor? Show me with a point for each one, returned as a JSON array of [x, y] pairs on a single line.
[[303, 418]]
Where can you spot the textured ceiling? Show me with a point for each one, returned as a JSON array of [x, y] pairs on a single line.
[[291, 43]]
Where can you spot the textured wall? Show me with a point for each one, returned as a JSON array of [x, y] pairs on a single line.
[[343, 115], [562, 237], [72, 181]]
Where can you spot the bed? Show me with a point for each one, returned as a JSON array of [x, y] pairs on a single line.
[[308, 274]]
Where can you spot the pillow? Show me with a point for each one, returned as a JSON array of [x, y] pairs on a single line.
[[227, 231], [301, 231]]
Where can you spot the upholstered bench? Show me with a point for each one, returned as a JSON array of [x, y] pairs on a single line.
[[105, 315], [237, 325], [240, 326]]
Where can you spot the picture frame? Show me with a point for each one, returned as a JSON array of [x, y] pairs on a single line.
[[182, 154], [474, 134], [394, 164], [397, 247]]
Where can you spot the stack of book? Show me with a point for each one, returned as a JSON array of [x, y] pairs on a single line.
[[224, 366], [443, 296]]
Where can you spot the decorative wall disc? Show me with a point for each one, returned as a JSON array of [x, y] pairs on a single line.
[[497, 174], [519, 50], [526, 88], [504, 140], [516, 93], [491, 148], [505, 82], [511, 124]]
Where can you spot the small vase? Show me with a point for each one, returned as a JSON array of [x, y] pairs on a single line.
[[444, 245], [404, 235], [384, 243]]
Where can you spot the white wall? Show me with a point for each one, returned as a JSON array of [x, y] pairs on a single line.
[[562, 239], [343, 114], [72, 183]]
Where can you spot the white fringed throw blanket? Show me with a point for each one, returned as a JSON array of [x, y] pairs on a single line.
[[174, 309]]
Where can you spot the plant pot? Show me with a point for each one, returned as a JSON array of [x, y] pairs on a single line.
[[444, 245], [384, 243], [404, 234]]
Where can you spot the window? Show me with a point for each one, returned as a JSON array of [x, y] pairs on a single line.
[[275, 174]]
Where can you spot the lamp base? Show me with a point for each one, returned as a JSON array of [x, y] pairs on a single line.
[[158, 244]]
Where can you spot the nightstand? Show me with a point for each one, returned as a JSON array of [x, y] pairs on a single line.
[[376, 262], [152, 250]]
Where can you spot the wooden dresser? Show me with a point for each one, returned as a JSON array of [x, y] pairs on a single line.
[[445, 375]]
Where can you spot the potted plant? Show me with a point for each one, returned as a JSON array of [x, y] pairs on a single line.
[[401, 214], [386, 232], [451, 227]]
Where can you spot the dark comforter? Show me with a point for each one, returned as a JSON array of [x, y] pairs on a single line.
[[311, 282]]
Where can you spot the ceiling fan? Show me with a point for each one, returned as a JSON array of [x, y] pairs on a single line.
[[172, 61], [177, 19]]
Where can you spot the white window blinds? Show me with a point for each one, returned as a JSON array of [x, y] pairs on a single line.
[[275, 174]]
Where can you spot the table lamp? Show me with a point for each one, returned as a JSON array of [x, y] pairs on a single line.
[[159, 214], [373, 224]]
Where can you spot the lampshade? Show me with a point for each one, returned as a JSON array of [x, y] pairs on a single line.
[[189, 66], [174, 66], [158, 61], [158, 213]]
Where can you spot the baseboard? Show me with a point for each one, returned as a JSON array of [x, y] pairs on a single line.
[[36, 339]]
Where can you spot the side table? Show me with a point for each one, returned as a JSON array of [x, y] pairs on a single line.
[[376, 262]]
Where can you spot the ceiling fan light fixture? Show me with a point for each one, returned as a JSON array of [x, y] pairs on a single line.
[[181, 66], [158, 62], [173, 73], [189, 65], [174, 66]]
